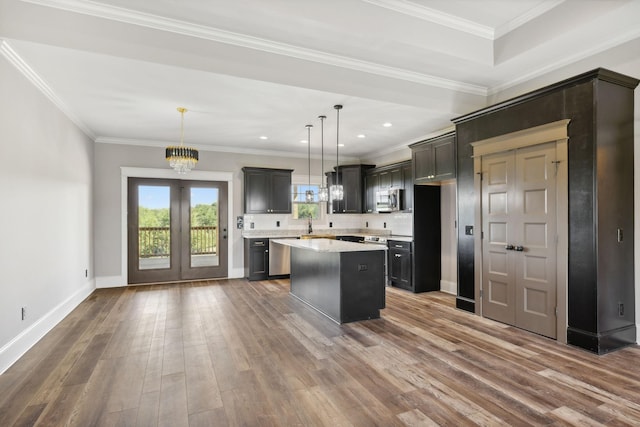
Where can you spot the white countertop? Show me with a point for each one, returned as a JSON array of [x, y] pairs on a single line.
[[330, 245]]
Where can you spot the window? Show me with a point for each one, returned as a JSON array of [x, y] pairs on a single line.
[[302, 209]]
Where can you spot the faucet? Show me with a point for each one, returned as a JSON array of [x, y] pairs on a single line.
[[310, 229]]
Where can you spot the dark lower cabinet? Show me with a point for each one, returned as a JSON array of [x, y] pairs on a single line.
[[400, 264], [256, 259]]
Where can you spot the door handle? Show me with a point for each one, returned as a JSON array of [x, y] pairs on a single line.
[[509, 247], [519, 248]]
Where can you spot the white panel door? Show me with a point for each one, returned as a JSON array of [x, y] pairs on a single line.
[[519, 244]]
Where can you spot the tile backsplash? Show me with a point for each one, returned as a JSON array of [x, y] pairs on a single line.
[[399, 223]]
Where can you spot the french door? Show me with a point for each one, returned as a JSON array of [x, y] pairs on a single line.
[[177, 230], [519, 245]]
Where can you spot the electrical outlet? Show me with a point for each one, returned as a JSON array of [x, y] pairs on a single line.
[[384, 225], [251, 225], [24, 313], [330, 225], [277, 223]]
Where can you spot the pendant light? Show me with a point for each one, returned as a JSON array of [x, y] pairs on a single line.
[[308, 195], [181, 158], [323, 191], [337, 192]]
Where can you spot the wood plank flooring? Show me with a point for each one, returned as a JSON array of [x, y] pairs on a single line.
[[238, 353]]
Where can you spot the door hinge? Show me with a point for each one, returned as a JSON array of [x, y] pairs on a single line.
[[482, 235], [481, 293], [480, 174], [556, 311]]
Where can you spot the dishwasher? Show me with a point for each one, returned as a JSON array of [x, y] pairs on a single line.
[[279, 259]]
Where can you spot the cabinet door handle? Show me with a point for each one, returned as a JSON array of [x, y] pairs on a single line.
[[259, 243], [398, 246], [398, 255]]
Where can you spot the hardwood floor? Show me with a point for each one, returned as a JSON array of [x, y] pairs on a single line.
[[233, 352]]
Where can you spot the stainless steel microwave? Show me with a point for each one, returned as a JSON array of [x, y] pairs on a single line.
[[389, 200]]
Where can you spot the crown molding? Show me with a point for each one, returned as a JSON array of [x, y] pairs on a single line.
[[16, 60], [540, 9], [211, 148], [208, 33], [567, 60], [437, 17]]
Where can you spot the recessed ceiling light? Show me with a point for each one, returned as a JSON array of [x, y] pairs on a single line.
[[362, 136], [340, 145], [387, 124], [264, 137], [304, 141]]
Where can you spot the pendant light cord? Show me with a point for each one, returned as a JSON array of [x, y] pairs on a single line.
[[309, 153], [338, 108]]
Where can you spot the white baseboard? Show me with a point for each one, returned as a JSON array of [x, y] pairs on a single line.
[[236, 273], [449, 287], [110, 282], [18, 346]]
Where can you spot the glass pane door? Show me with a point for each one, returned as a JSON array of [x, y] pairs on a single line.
[[177, 230], [204, 215], [153, 230]]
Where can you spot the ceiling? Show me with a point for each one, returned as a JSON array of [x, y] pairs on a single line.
[[120, 68]]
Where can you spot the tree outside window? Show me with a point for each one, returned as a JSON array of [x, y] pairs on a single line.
[[302, 209]]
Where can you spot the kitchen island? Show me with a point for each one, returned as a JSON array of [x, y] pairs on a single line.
[[342, 280]]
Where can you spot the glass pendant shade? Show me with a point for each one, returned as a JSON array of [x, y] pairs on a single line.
[[308, 196], [323, 194], [182, 159], [337, 192]]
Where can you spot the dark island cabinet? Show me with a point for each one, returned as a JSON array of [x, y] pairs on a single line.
[[267, 190], [435, 159], [352, 178], [256, 259], [400, 264]]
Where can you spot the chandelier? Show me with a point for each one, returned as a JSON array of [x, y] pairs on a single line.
[[181, 158], [336, 190], [323, 191]]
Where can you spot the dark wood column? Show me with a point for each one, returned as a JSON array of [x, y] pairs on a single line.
[[599, 103]]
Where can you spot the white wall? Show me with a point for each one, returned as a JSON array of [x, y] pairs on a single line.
[[46, 215]]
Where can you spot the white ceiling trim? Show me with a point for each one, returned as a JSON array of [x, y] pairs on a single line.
[[14, 59], [213, 148], [568, 60], [194, 30], [526, 17], [437, 17]]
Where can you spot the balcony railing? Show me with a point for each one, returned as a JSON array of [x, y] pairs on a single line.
[[156, 241]]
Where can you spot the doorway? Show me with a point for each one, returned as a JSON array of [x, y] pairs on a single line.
[[176, 230], [521, 249], [519, 229]]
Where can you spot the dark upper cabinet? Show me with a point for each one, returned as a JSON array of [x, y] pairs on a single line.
[[407, 180], [267, 190], [397, 175], [352, 178], [370, 188], [434, 159]]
